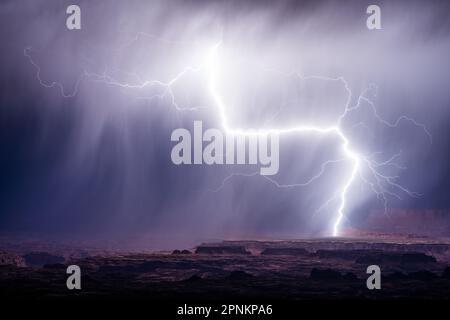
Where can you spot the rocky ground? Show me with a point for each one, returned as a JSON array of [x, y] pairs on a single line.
[[301, 269]]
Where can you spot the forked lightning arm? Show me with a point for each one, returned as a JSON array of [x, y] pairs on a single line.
[[378, 181]]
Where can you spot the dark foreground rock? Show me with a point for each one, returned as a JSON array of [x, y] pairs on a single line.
[[446, 273], [7, 258], [39, 259], [405, 259], [286, 251], [331, 275], [345, 254], [221, 272], [221, 250], [417, 258], [181, 252], [239, 275]]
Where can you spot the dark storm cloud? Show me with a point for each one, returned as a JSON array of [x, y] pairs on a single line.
[[99, 163]]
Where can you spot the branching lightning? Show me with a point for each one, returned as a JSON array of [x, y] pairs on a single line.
[[382, 185]]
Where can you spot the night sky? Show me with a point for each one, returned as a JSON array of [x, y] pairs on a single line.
[[97, 163]]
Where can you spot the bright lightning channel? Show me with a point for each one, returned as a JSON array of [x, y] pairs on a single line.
[[353, 156], [214, 73]]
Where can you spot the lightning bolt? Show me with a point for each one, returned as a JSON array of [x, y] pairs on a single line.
[[381, 184]]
